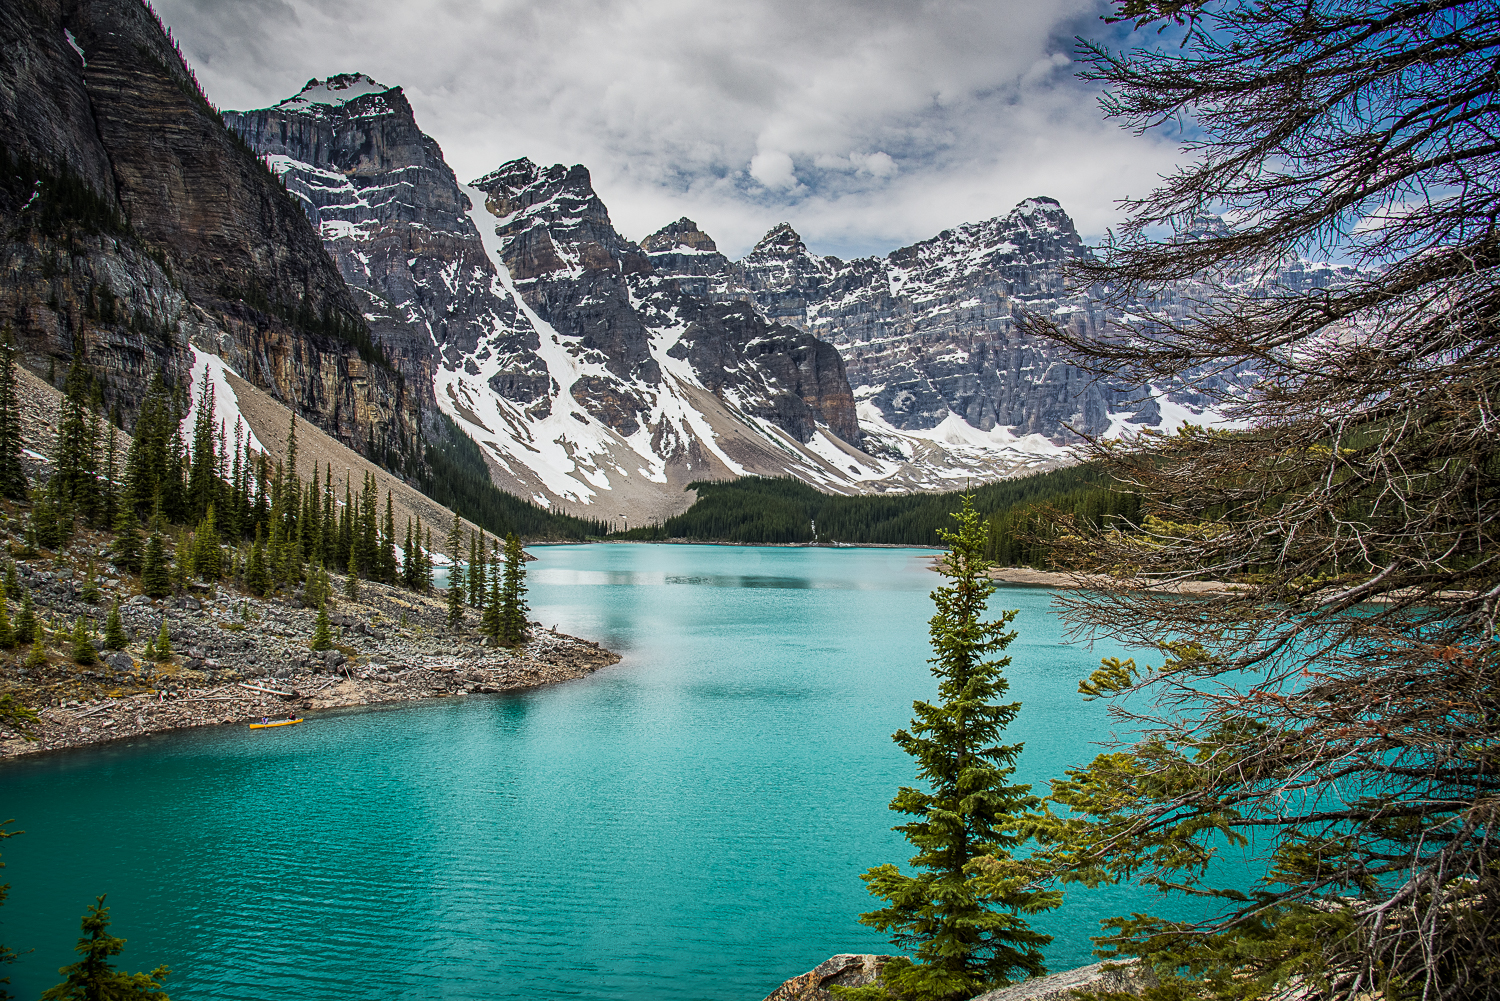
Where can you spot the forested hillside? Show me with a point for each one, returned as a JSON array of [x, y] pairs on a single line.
[[783, 510]]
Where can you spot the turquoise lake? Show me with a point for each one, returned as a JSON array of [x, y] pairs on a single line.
[[688, 824]]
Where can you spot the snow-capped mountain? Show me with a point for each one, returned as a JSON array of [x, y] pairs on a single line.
[[592, 382]]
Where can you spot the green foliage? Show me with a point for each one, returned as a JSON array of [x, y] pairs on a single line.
[[322, 637], [83, 643], [513, 593], [156, 581], [162, 648], [257, 574], [455, 597], [7, 634], [37, 656], [20, 718], [12, 477], [961, 912], [126, 545], [26, 629], [7, 956], [208, 557], [761, 510], [53, 200], [90, 591], [94, 978], [114, 630]]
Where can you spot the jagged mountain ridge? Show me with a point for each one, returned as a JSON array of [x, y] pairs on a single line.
[[150, 229], [545, 334]]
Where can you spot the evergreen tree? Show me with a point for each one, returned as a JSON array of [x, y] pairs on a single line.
[[156, 579], [7, 634], [960, 915], [94, 978], [408, 562], [37, 657], [454, 541], [424, 564], [126, 545], [90, 591], [114, 630], [83, 643], [257, 575], [492, 619], [477, 575], [455, 601], [513, 592], [322, 637], [203, 481], [75, 460], [26, 629], [388, 543], [163, 645], [12, 477], [208, 557], [12, 589]]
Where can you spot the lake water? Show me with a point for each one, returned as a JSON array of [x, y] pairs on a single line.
[[688, 824]]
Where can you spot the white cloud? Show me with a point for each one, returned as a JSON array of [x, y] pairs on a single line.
[[867, 124], [773, 168]]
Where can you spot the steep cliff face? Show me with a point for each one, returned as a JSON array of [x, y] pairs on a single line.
[[929, 332], [149, 226]]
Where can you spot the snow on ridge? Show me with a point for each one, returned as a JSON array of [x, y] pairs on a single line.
[[336, 91], [226, 403]]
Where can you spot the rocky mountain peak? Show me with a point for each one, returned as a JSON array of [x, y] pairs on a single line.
[[334, 92], [684, 233], [552, 221], [781, 241]]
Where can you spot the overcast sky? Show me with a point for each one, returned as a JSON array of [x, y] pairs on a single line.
[[866, 124]]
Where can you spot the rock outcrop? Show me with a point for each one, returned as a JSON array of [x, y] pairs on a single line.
[[838, 971], [146, 226], [1122, 978]]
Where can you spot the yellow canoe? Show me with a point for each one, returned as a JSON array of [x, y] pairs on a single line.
[[280, 722]]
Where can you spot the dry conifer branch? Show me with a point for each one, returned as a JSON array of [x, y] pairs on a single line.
[[1344, 701]]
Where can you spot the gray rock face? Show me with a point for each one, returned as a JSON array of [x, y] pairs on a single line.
[[931, 328], [592, 284], [838, 971], [1123, 978], [393, 218]]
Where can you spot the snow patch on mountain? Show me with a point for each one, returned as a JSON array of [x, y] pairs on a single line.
[[226, 403], [335, 92]]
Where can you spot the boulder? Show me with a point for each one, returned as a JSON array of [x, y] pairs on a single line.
[[1125, 978], [120, 662], [839, 971]]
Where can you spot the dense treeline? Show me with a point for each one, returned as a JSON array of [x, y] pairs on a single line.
[[1020, 513]]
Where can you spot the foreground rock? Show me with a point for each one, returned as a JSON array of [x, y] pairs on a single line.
[[844, 970], [862, 971], [1124, 978]]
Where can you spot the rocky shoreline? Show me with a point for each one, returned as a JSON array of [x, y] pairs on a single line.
[[239, 658]]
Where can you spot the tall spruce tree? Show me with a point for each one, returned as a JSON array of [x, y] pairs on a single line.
[[203, 475], [960, 914], [26, 626], [12, 477], [114, 630], [156, 580], [513, 593], [94, 977]]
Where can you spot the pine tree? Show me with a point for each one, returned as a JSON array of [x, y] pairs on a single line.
[[83, 644], [12, 477], [322, 637], [477, 575], [26, 629], [455, 602], [960, 915], [7, 634], [163, 643], [257, 575], [126, 546], [203, 480], [75, 460], [90, 591], [388, 543], [513, 605], [94, 978], [351, 579], [408, 562], [424, 564], [37, 657], [492, 619], [114, 630], [156, 579], [208, 557]]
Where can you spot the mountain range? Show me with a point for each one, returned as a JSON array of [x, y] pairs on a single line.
[[323, 250]]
